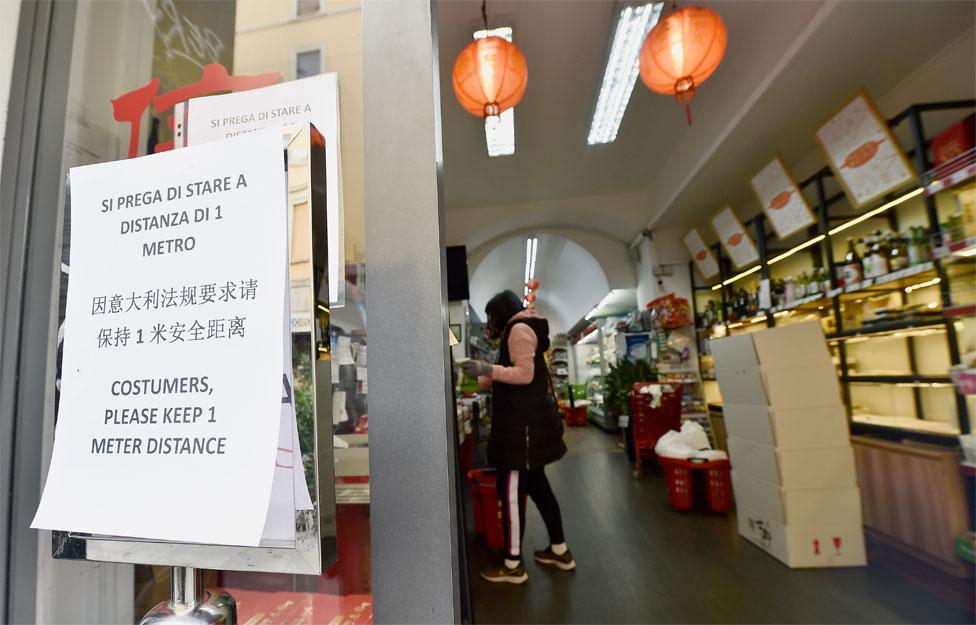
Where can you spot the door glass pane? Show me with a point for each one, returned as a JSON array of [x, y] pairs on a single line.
[[128, 57]]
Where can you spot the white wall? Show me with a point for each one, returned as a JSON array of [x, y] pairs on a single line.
[[9, 18], [663, 247]]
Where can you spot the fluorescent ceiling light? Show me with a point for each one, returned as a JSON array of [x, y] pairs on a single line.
[[531, 249], [535, 249], [505, 32], [620, 74], [500, 129], [500, 133]]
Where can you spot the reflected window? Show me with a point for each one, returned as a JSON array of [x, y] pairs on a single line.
[[307, 7], [308, 63]]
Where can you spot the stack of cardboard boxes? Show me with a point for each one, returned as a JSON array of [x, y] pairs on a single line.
[[793, 467]]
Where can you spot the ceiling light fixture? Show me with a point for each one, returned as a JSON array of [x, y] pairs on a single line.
[[499, 129], [620, 73], [500, 134], [531, 249]]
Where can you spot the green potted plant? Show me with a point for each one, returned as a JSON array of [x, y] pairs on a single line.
[[620, 381]]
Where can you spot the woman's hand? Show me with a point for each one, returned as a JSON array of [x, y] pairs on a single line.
[[476, 368]]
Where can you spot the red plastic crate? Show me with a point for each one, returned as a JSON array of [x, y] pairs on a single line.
[[698, 485]]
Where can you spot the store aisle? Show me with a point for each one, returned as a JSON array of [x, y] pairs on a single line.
[[639, 561]]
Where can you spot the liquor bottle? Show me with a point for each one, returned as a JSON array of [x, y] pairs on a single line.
[[897, 254], [853, 269], [879, 262], [918, 249], [824, 280]]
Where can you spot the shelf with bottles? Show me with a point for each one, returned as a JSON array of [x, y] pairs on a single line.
[[899, 272]]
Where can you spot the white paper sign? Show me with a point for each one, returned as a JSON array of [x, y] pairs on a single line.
[[863, 153], [171, 386], [734, 238], [314, 99], [704, 259], [781, 199]]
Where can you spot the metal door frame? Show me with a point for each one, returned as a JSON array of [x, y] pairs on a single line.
[[415, 538]]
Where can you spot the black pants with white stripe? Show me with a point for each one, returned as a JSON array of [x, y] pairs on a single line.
[[513, 486]]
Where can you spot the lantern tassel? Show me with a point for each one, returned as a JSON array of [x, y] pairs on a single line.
[[688, 112]]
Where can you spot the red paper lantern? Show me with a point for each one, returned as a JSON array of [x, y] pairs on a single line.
[[681, 52], [490, 76], [532, 284]]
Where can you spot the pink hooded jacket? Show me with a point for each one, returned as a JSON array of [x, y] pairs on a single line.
[[522, 344]]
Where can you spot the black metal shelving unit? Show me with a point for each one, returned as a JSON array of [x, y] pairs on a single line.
[[827, 213]]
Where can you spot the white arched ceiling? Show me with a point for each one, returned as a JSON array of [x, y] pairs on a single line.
[[611, 253], [571, 280]]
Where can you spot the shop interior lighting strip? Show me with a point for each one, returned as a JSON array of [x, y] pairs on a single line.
[[877, 211], [821, 237], [736, 277], [922, 285], [499, 129], [623, 66], [788, 253]]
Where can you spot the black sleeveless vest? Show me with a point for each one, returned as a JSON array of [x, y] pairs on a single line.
[[526, 429]]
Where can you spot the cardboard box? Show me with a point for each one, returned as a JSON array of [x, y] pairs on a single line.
[[810, 426], [793, 345], [783, 387], [737, 350], [837, 543], [813, 467], [796, 506]]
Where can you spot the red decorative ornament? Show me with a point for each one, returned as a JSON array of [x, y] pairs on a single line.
[[490, 76], [532, 284], [681, 52]]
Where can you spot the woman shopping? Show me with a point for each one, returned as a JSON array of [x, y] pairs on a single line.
[[526, 432]]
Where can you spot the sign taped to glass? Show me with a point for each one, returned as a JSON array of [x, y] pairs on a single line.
[[172, 366]]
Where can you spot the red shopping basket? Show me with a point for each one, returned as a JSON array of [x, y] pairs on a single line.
[[649, 422], [487, 506], [575, 415], [698, 484]]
